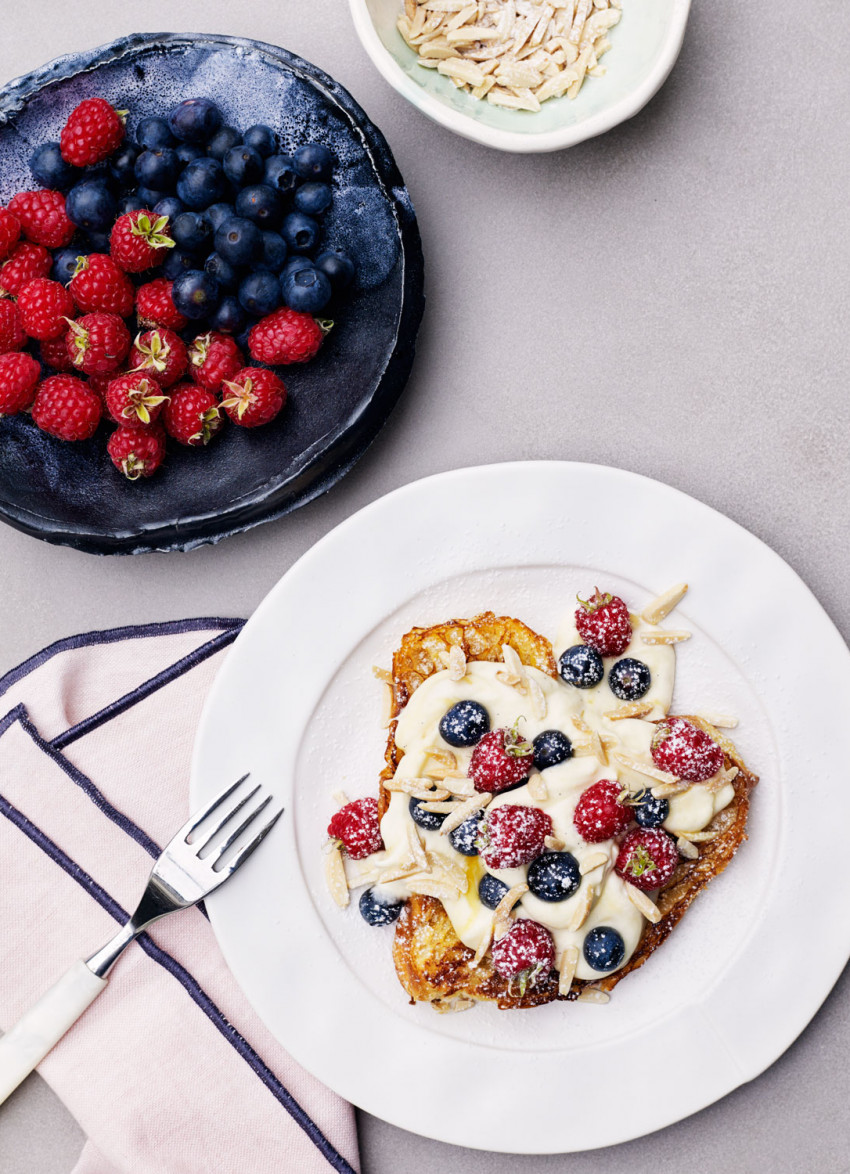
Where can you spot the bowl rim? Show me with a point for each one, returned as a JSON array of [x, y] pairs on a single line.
[[504, 140]]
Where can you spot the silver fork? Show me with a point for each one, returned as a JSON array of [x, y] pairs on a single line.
[[183, 875]]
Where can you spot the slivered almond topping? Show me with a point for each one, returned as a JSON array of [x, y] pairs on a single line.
[[402, 872], [512, 661], [457, 663], [584, 903], [463, 811], [609, 741], [382, 675], [722, 721], [554, 844], [452, 1006], [580, 724], [591, 861], [718, 782], [538, 698], [444, 758], [633, 709], [417, 788], [699, 837], [567, 964], [431, 887], [443, 869], [687, 849], [656, 610], [643, 904], [439, 807], [483, 947], [358, 877], [445, 772], [537, 788], [642, 767], [502, 919], [665, 790], [340, 798], [592, 994], [417, 851], [506, 678], [387, 707], [668, 636], [335, 876], [460, 787]]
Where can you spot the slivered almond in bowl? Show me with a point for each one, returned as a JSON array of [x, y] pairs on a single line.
[[528, 853]]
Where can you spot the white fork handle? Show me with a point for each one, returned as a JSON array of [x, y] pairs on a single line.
[[26, 1044]]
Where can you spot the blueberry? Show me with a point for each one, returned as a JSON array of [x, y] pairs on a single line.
[[260, 203], [262, 138], [227, 275], [274, 253], [300, 232], [150, 196], [465, 724], [337, 266], [432, 821], [222, 141], [550, 748], [313, 199], [243, 165], [464, 839], [194, 121], [65, 264], [218, 213], [128, 203], [188, 153], [91, 205], [98, 242], [122, 165], [376, 911], [281, 175], [202, 183], [629, 679], [308, 291], [229, 318], [154, 132], [313, 161], [491, 890], [554, 876], [604, 948], [295, 265], [259, 293], [192, 231], [238, 241], [581, 666], [195, 293], [158, 168], [170, 207], [651, 812], [178, 261], [50, 170]]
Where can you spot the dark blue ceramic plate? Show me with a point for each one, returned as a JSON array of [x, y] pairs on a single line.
[[70, 493]]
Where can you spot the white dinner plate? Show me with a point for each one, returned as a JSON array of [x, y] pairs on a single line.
[[297, 705]]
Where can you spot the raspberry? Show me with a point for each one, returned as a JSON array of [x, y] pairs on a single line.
[[214, 358], [685, 751], [154, 306], [19, 376], [98, 343], [43, 218], [356, 826], [12, 333], [99, 285], [10, 232], [526, 952], [65, 407], [139, 240], [54, 353], [162, 354], [192, 415], [514, 835], [45, 307], [599, 815], [134, 400], [137, 452], [93, 130], [647, 858], [254, 396], [99, 384], [603, 623], [25, 263], [500, 760], [284, 337]]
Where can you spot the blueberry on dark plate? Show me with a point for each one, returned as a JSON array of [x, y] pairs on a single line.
[[202, 183], [50, 170], [216, 213], [629, 679], [651, 812], [581, 666], [554, 876], [300, 232], [464, 839], [313, 161], [222, 141], [281, 175], [259, 293], [157, 168], [238, 241], [170, 207], [98, 242], [604, 948], [337, 266], [551, 747], [195, 293], [465, 724], [91, 205], [229, 318], [432, 821], [192, 231], [295, 265], [178, 261], [260, 203], [262, 138], [227, 275], [376, 911], [129, 203], [243, 165], [194, 121], [150, 197], [154, 132], [313, 199], [188, 152], [65, 263], [306, 290], [274, 253], [491, 890], [122, 165]]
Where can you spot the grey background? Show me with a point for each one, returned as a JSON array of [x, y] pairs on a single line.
[[670, 298]]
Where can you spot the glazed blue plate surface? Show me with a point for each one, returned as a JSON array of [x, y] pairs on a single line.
[[70, 493]]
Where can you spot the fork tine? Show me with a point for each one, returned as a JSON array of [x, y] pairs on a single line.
[[198, 817], [216, 855], [226, 818], [243, 853]]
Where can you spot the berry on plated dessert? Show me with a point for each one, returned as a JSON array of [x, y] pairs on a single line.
[[41, 215], [554, 876], [284, 337], [137, 452], [603, 623], [550, 748], [213, 359], [254, 396], [93, 131], [647, 858], [98, 284], [24, 263], [581, 666], [45, 308], [12, 333], [526, 952], [155, 305], [376, 911], [195, 293], [649, 811], [356, 827], [465, 838], [134, 400], [629, 679], [491, 890], [139, 240], [604, 948], [91, 205], [192, 415], [431, 821], [10, 232], [599, 814], [513, 835], [162, 354], [682, 749], [66, 408], [97, 343], [465, 724], [19, 376], [502, 759]]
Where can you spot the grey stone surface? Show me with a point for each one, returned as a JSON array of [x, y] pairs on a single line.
[[671, 298]]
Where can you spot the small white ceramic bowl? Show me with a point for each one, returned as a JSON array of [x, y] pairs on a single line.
[[645, 45]]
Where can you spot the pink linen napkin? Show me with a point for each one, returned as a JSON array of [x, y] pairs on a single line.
[[170, 1071]]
